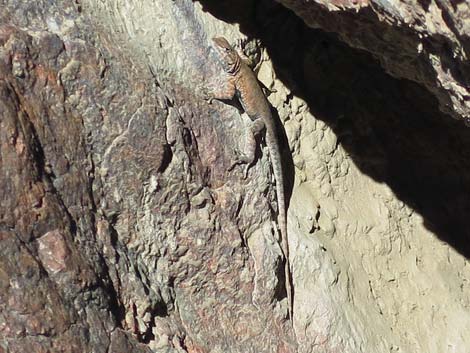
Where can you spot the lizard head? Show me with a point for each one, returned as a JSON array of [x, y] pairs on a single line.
[[227, 55]]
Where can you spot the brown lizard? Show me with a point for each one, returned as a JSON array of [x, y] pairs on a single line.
[[241, 82]]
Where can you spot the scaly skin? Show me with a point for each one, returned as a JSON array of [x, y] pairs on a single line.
[[240, 81]]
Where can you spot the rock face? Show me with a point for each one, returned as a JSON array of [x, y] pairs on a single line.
[[423, 41], [124, 227]]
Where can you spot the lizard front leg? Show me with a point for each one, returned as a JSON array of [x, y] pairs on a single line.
[[222, 90], [239, 45]]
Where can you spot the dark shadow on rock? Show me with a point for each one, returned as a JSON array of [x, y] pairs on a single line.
[[392, 129]]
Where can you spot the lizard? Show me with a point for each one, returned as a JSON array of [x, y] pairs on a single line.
[[240, 81]]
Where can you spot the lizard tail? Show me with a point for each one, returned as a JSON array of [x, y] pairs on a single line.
[[282, 220], [275, 154]]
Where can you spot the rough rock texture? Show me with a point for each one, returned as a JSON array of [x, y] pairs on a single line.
[[425, 41], [123, 227]]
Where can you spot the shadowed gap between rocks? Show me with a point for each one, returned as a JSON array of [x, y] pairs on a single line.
[[391, 128]]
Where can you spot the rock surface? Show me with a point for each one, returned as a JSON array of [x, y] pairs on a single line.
[[123, 227], [424, 41]]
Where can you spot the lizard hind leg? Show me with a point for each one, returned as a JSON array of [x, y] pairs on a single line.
[[248, 155]]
